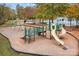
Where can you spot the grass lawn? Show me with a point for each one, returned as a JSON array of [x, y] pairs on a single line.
[[10, 23], [5, 49]]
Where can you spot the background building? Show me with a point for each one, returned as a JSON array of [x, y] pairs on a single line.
[[66, 21]]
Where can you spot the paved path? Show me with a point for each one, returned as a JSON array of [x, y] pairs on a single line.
[[41, 45]]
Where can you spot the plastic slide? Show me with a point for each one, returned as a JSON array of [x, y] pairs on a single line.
[[56, 37], [63, 32]]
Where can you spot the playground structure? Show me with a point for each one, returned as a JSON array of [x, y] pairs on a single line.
[[33, 30], [40, 29]]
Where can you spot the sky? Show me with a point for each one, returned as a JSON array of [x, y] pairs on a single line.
[[13, 5]]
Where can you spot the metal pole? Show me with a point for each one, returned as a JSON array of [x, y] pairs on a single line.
[[50, 28], [25, 34], [34, 34], [29, 35]]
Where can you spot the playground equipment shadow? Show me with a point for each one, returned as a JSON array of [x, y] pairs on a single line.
[[41, 45]]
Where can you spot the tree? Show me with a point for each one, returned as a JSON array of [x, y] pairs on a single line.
[[72, 12], [6, 13], [20, 11], [77, 14], [25, 12], [29, 12], [60, 9], [3, 13]]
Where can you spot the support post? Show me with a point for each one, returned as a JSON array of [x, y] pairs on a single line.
[[25, 34], [50, 28]]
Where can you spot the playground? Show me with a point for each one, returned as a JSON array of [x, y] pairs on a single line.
[[39, 39], [39, 29]]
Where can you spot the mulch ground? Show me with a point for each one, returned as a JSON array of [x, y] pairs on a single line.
[[41, 45]]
